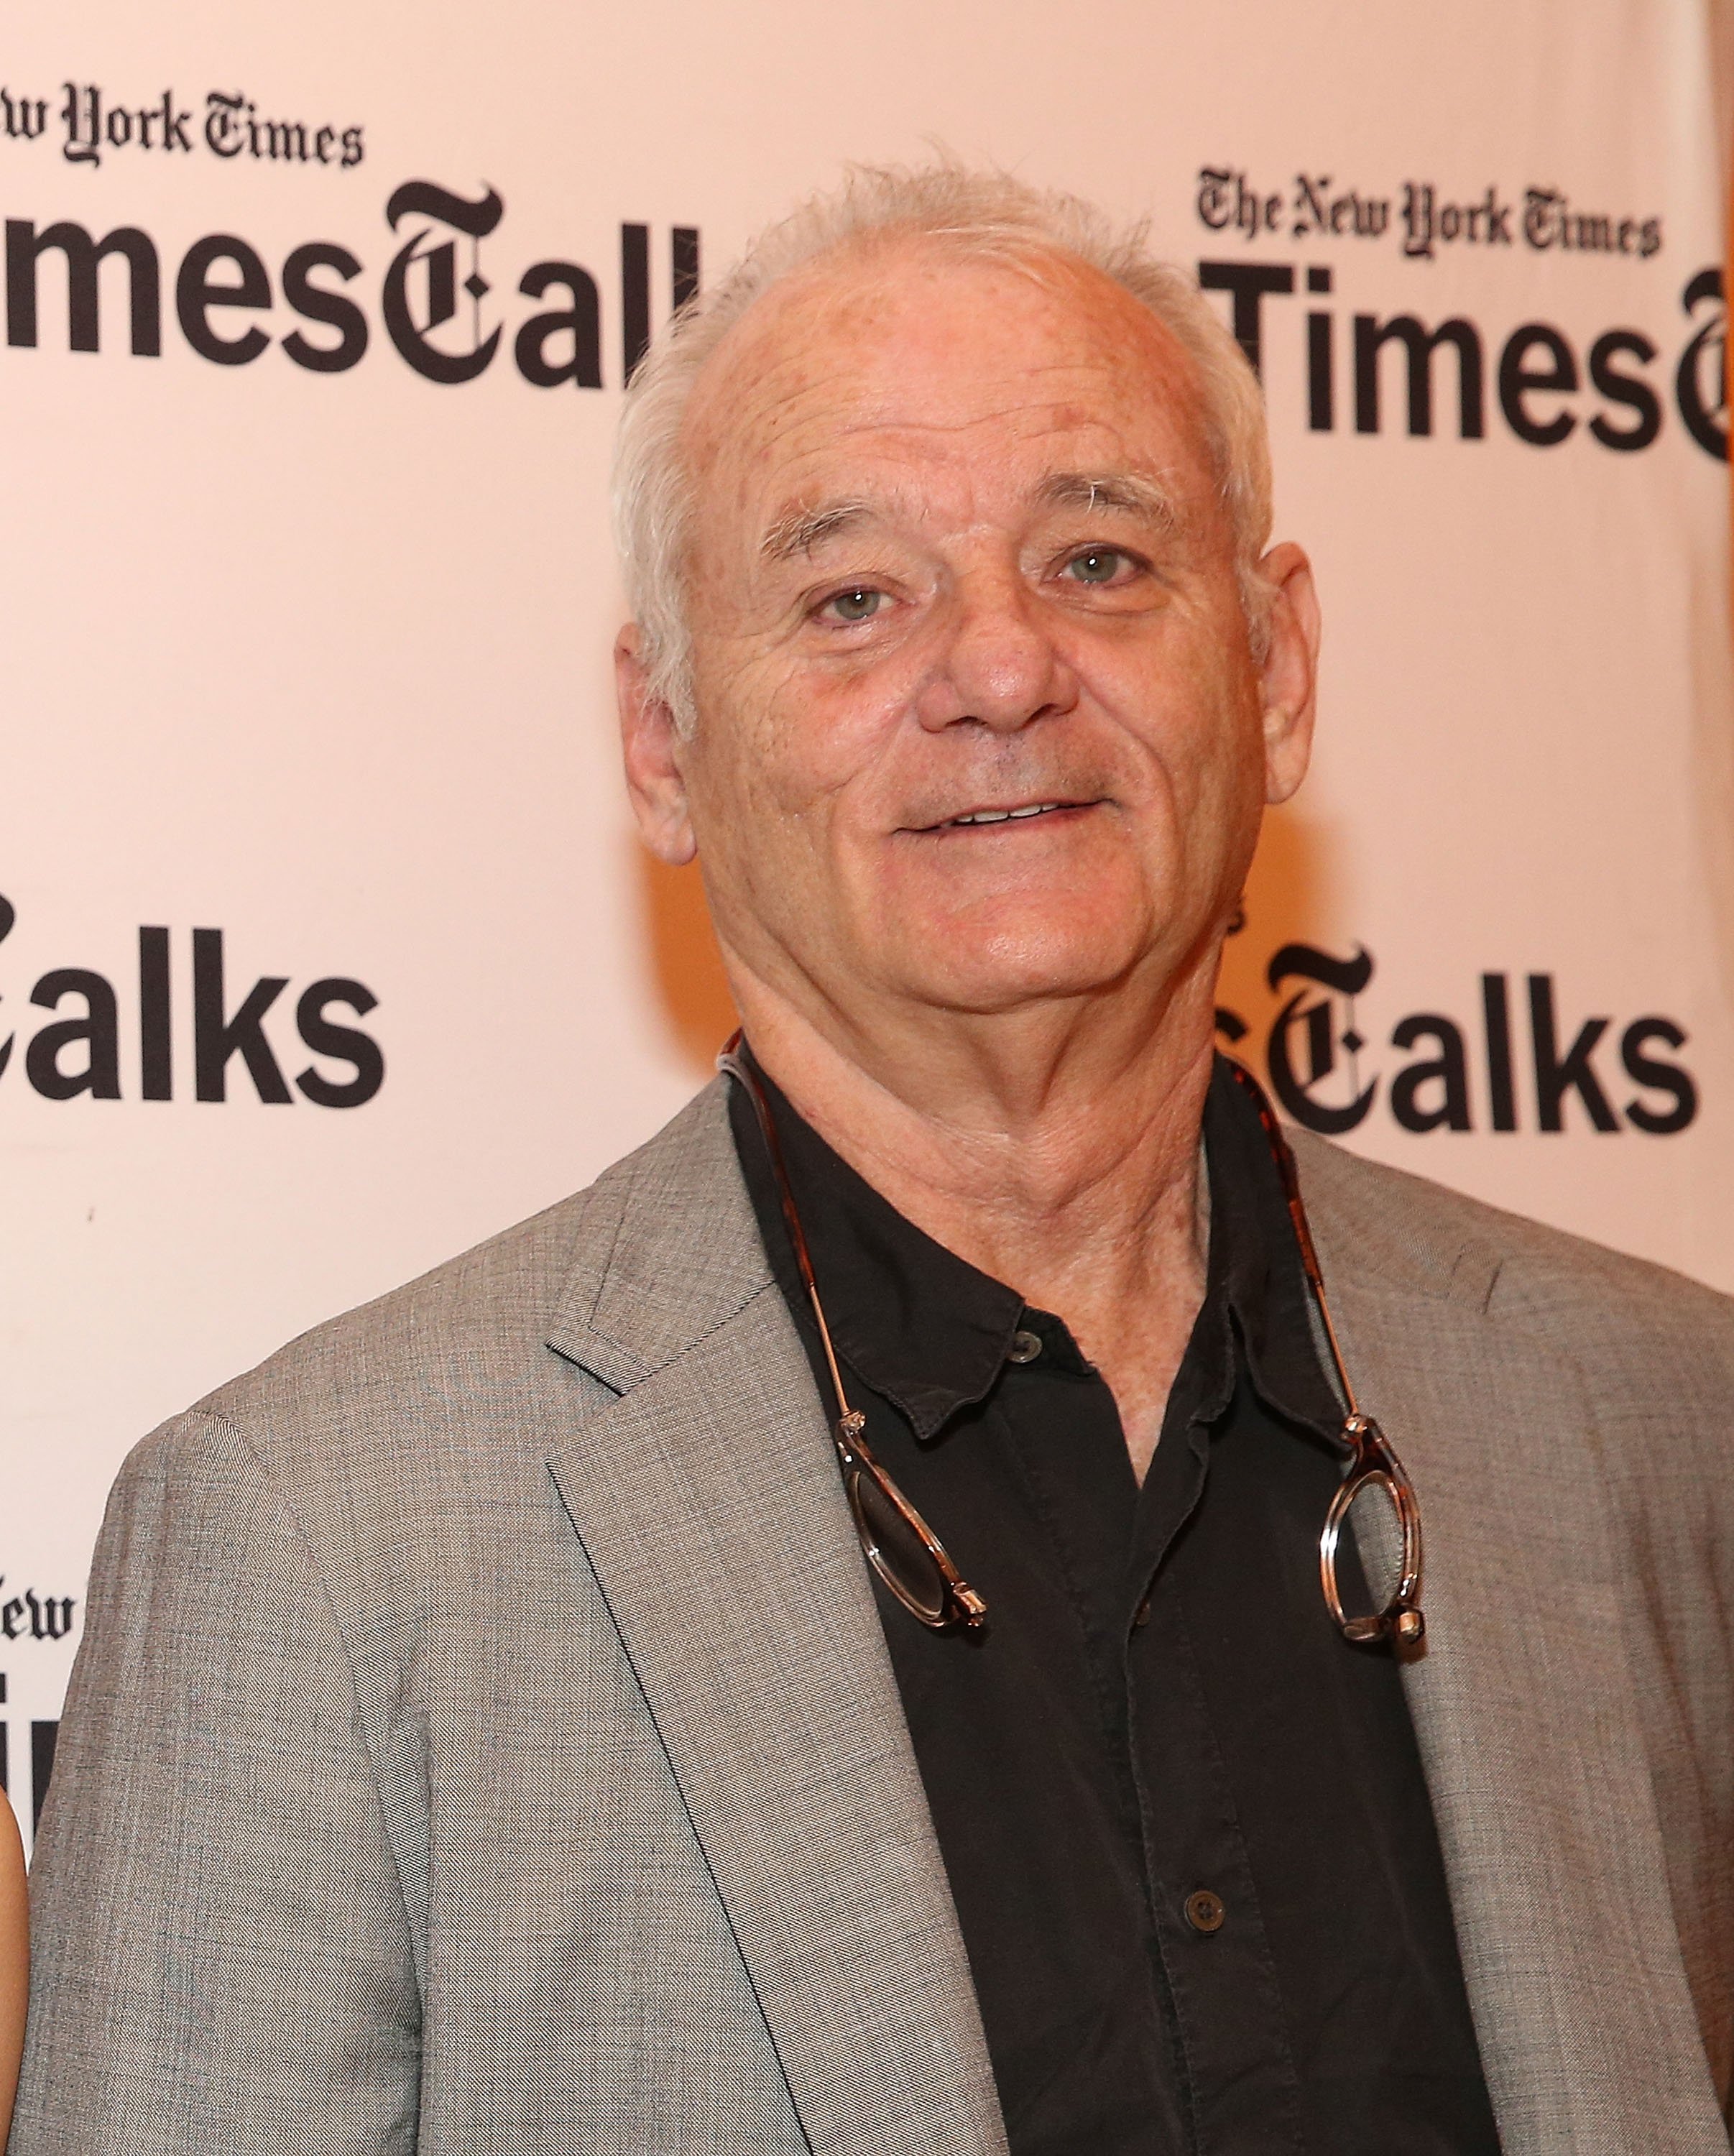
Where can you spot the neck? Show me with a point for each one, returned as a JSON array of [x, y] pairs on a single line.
[[1057, 1151]]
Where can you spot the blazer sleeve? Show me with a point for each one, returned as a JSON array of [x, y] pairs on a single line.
[[222, 1962]]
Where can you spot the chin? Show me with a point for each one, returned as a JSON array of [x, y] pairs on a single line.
[[991, 967]]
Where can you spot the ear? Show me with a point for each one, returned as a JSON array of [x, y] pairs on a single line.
[[1289, 676], [651, 746]]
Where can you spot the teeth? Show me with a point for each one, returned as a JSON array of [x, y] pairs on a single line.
[[1006, 815]]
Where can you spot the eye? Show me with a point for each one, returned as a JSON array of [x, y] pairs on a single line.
[[1099, 565], [860, 604]]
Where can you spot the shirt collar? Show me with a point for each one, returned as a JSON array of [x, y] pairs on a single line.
[[931, 1334], [915, 1322], [1255, 1277]]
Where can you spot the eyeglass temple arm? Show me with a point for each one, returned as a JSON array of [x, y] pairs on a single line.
[[1290, 1174], [733, 1061]]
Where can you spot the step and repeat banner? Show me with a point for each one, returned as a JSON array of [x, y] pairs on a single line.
[[326, 946]]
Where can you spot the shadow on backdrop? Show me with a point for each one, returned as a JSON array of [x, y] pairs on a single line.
[[1291, 897], [687, 970]]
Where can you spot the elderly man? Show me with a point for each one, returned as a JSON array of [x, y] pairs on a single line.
[[843, 1635]]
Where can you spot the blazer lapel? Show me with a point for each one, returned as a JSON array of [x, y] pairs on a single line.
[[708, 1500], [1524, 1704]]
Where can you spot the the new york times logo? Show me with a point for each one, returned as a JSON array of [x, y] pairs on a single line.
[[1423, 218], [1517, 1065], [90, 125], [436, 300], [28, 1615], [112, 1043]]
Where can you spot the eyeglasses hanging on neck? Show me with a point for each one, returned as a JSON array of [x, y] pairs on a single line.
[[910, 1559], [1388, 1547], [900, 1545]]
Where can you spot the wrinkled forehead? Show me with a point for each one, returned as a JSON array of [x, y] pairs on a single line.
[[925, 355]]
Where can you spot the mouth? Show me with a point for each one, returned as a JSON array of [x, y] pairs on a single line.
[[978, 820]]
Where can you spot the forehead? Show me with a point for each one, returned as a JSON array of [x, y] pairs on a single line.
[[945, 369]]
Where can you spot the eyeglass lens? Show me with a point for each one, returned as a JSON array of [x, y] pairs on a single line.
[[895, 1551], [1369, 1553]]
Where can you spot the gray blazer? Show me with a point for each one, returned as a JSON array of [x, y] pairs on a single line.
[[484, 1739]]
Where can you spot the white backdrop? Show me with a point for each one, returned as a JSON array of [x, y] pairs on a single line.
[[315, 656]]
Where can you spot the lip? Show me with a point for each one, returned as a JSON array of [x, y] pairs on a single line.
[[987, 817]]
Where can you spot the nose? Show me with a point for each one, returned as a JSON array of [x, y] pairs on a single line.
[[996, 662]]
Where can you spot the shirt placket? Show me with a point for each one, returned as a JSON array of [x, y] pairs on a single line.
[[1208, 1934]]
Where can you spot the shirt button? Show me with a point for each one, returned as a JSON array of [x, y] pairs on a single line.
[[1024, 1349], [1204, 1911]]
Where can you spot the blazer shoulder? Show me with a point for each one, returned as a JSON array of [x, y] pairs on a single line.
[[1599, 1304], [452, 1366]]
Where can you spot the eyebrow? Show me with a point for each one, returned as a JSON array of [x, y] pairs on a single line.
[[799, 531], [1130, 492]]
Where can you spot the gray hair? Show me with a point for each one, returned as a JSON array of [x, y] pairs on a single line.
[[986, 215]]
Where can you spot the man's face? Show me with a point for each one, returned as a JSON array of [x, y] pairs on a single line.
[[978, 726]]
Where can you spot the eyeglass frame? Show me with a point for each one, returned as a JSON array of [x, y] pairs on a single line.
[[1374, 1461], [959, 1608]]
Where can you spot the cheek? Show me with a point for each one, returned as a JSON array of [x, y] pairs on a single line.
[[810, 742], [1194, 715], [776, 784]]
